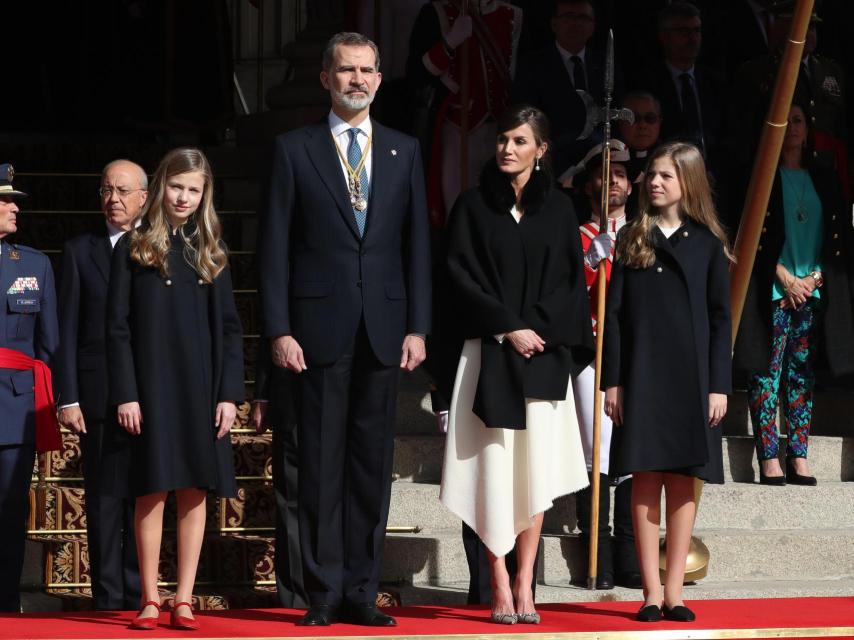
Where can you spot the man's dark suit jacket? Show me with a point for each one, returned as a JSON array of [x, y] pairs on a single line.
[[318, 278], [83, 297], [543, 81], [710, 89]]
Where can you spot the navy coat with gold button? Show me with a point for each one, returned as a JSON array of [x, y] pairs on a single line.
[[753, 343], [667, 343], [30, 326]]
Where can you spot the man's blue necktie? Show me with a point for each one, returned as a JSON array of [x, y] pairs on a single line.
[[354, 157]]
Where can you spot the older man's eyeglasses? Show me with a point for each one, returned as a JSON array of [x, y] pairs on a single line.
[[650, 117], [121, 192]]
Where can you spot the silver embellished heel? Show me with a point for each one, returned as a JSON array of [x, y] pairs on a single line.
[[528, 618], [504, 618]]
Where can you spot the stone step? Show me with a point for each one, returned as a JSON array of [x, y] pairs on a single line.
[[743, 506], [454, 593], [736, 555], [418, 457]]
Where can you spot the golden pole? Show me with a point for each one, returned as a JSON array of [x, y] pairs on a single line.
[[601, 290]]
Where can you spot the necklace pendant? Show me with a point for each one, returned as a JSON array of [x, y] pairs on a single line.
[[802, 214], [360, 204]]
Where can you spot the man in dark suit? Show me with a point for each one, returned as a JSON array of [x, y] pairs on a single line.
[[690, 94], [82, 383], [345, 290], [550, 77], [27, 344]]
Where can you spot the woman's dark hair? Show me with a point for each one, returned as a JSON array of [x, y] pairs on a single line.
[[807, 157], [495, 186], [519, 114]]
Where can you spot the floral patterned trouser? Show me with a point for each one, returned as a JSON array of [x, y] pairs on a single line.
[[791, 349]]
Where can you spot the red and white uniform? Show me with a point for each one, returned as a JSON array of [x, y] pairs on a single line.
[[590, 230], [489, 91], [583, 385]]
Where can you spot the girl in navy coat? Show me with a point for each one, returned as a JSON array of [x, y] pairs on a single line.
[[667, 364]]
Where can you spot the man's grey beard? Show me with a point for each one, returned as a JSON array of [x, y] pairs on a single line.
[[353, 103]]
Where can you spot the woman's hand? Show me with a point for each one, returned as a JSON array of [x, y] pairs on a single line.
[[526, 342], [130, 417], [614, 405], [226, 412], [798, 292], [717, 408]]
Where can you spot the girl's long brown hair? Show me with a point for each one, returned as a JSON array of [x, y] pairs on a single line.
[[635, 248], [203, 250]]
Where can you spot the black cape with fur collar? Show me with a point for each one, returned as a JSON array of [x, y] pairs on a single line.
[[526, 275]]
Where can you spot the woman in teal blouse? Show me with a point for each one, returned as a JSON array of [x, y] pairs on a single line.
[[799, 285]]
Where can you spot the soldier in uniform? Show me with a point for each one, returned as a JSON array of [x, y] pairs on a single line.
[[490, 34], [27, 347], [820, 88], [617, 559]]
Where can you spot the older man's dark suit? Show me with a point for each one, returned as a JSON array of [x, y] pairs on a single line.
[[349, 302], [82, 377]]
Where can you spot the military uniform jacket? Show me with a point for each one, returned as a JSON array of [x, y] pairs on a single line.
[[29, 318], [667, 343]]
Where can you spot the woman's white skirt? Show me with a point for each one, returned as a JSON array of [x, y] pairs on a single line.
[[496, 480]]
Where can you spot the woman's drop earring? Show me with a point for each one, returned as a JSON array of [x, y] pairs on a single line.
[[537, 165]]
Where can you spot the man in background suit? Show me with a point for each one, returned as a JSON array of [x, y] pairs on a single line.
[[82, 383], [690, 95], [28, 318], [550, 78], [344, 254]]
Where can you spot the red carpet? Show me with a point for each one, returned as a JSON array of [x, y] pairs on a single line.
[[773, 618]]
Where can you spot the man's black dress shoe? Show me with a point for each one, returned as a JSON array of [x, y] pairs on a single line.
[[630, 580], [649, 613], [605, 582], [319, 615], [793, 477], [678, 613], [368, 615]]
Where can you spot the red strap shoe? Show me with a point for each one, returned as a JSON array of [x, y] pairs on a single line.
[[149, 622], [183, 622]]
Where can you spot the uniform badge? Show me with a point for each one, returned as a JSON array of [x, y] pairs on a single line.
[[14, 254], [21, 285], [10, 172]]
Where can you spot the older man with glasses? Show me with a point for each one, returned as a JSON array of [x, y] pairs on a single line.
[[82, 382]]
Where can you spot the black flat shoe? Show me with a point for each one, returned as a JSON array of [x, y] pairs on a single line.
[[773, 481], [649, 613], [367, 615], [319, 615], [793, 477], [678, 613]]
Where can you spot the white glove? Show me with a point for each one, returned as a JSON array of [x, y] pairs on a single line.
[[599, 250], [442, 421], [459, 32]]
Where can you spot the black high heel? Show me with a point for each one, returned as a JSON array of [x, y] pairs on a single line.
[[793, 477], [774, 481]]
